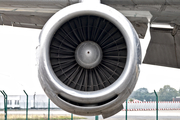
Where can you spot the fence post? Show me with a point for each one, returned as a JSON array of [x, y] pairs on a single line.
[[96, 117], [156, 105], [5, 104], [48, 109], [6, 97], [71, 116], [126, 108], [26, 104]]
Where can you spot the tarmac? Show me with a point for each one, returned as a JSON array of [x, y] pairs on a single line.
[[132, 115]]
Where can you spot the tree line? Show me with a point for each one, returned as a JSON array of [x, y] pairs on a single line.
[[167, 93]]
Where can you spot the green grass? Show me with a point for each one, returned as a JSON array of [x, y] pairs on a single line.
[[40, 117]]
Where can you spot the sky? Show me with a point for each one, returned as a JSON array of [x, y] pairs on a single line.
[[18, 68]]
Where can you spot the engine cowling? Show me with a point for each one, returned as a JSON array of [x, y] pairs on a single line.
[[89, 59]]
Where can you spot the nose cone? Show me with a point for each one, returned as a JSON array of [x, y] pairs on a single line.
[[88, 54]]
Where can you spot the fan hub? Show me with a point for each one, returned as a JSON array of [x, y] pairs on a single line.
[[88, 54]]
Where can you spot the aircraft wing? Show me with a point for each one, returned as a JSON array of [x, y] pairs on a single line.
[[35, 13], [29, 13], [163, 48]]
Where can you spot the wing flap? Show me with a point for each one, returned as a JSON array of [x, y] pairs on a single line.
[[164, 49]]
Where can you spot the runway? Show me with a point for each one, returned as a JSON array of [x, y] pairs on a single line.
[[132, 115]]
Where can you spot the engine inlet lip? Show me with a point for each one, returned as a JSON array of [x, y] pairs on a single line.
[[100, 10]]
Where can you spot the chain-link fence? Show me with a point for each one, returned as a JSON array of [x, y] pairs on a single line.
[[41, 102], [38, 106]]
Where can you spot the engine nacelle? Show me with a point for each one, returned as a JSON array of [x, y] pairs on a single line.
[[89, 59]]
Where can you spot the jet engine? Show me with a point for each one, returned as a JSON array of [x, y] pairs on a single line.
[[89, 58]]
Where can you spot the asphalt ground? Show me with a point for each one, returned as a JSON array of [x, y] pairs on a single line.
[[132, 115]]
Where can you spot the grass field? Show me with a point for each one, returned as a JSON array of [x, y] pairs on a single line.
[[39, 117]]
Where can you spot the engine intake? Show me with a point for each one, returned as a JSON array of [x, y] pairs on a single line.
[[88, 53], [89, 59]]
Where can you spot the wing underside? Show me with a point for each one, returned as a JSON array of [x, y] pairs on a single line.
[[163, 48]]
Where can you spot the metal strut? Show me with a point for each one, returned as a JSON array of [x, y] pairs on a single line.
[[174, 32]]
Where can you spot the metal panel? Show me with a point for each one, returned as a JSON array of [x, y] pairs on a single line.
[[50, 3], [177, 42], [162, 11], [163, 49], [37, 17], [53, 4], [24, 21], [141, 2], [30, 13], [1, 22]]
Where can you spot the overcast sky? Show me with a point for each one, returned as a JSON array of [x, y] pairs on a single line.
[[18, 68]]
